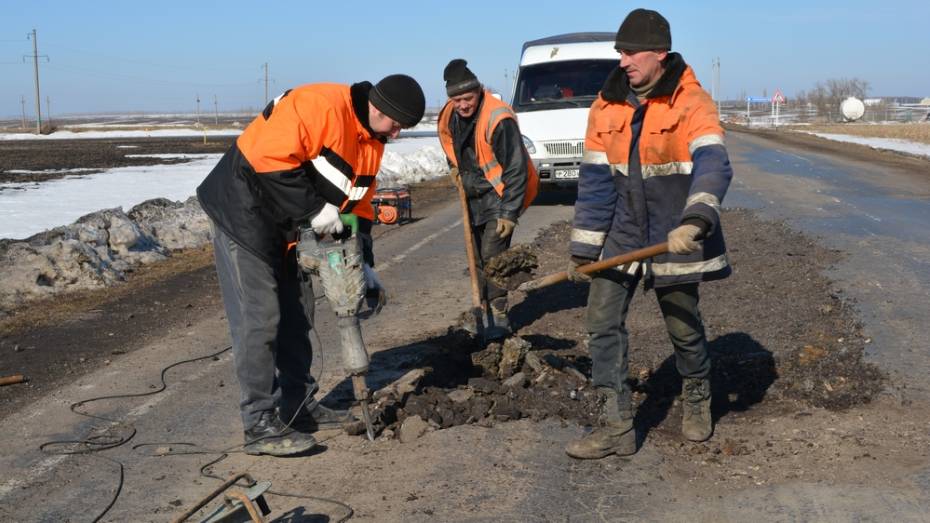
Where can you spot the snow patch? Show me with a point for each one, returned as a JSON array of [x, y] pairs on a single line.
[[890, 144]]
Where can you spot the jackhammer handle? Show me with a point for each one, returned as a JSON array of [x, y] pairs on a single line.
[[637, 255], [350, 220]]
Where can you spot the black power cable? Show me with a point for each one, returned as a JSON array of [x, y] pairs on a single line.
[[106, 440]]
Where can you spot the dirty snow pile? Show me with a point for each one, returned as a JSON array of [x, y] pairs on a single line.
[[411, 160], [891, 144], [98, 249]]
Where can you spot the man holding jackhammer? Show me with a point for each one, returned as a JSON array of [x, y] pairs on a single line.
[[655, 168], [312, 154], [483, 144]]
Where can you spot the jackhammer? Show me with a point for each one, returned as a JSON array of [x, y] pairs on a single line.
[[339, 263]]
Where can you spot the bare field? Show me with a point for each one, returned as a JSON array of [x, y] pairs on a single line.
[[914, 131]]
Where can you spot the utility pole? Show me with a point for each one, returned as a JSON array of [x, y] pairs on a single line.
[[198, 108], [35, 63], [48, 111], [716, 63], [216, 112], [22, 102]]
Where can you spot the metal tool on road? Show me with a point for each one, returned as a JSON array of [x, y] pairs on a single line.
[[238, 506], [338, 261], [637, 255], [477, 311]]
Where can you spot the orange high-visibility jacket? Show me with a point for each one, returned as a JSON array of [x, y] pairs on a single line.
[[492, 112], [310, 146], [641, 177]]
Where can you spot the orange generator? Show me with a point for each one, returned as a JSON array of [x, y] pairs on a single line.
[[392, 205]]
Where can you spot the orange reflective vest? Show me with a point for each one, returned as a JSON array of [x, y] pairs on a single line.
[[309, 146], [315, 129], [491, 113]]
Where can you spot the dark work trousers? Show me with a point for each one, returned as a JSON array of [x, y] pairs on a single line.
[[488, 245], [608, 304], [270, 312]]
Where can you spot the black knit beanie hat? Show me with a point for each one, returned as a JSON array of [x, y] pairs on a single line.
[[644, 30], [459, 78], [400, 97]]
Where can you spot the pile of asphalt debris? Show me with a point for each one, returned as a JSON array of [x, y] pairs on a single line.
[[451, 381]]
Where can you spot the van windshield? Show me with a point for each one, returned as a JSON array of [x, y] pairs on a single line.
[[556, 85]]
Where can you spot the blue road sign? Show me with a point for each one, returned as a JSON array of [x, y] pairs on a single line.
[[758, 100]]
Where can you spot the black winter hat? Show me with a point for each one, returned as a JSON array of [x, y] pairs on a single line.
[[459, 78], [644, 30], [400, 97]]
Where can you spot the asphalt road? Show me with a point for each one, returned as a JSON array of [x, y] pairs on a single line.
[[513, 471], [877, 214]]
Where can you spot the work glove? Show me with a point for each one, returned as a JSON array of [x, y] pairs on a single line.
[[454, 175], [327, 220], [683, 239], [573, 275], [375, 295], [505, 227]]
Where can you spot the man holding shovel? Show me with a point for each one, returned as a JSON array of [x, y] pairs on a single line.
[[483, 144], [655, 168]]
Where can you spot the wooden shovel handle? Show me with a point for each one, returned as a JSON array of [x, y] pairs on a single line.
[[637, 255], [12, 380], [469, 246]]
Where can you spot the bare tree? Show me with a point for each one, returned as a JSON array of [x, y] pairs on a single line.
[[827, 96]]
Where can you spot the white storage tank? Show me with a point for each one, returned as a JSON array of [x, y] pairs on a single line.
[[852, 109]]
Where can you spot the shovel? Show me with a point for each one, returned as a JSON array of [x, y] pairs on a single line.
[[477, 308], [637, 255]]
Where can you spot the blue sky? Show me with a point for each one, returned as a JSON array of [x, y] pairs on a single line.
[[159, 56]]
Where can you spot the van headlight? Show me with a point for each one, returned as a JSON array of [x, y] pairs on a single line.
[[530, 148]]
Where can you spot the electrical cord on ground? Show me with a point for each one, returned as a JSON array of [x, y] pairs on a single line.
[[107, 440], [224, 453], [104, 440]]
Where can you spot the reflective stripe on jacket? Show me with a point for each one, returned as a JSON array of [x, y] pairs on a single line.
[[634, 189], [310, 146], [491, 112]]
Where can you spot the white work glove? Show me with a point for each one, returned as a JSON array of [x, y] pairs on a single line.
[[683, 239], [375, 295], [327, 220]]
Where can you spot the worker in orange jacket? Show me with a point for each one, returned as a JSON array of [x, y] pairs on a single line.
[[312, 154], [655, 169], [483, 144]]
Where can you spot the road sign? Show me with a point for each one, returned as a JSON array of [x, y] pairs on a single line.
[[778, 98], [757, 100]]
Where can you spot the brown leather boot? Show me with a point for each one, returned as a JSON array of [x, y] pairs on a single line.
[[696, 421], [617, 436]]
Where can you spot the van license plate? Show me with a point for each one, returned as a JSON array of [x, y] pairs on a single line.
[[566, 173]]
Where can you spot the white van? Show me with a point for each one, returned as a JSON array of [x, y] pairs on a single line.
[[559, 79]]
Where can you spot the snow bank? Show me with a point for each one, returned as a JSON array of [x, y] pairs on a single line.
[[97, 250], [891, 144], [411, 160], [142, 133]]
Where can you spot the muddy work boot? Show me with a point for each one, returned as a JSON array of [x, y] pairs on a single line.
[[696, 422], [617, 436], [498, 323], [270, 436]]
